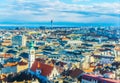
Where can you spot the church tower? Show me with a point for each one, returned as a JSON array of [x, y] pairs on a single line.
[[31, 54]]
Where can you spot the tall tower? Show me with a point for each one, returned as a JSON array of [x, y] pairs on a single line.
[[51, 24], [31, 54]]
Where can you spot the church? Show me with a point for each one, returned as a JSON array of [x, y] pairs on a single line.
[[43, 71]]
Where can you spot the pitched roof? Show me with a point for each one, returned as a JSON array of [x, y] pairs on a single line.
[[45, 69], [40, 60], [10, 64], [6, 55], [22, 63], [75, 73], [101, 79]]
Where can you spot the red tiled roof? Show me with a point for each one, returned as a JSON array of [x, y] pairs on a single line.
[[22, 63], [10, 64], [6, 55], [41, 60], [96, 77], [45, 69], [75, 73]]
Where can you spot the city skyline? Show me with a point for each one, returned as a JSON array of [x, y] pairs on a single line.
[[59, 41], [60, 11]]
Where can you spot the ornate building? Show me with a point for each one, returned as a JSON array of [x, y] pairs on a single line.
[[32, 55]]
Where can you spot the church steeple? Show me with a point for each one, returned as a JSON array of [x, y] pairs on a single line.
[[31, 54]]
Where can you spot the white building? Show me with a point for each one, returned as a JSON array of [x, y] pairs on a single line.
[[74, 42]]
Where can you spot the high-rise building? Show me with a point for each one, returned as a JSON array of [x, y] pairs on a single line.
[[19, 40]]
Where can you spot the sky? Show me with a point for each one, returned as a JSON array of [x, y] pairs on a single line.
[[60, 11]]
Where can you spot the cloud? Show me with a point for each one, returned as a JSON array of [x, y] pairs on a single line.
[[95, 14], [45, 10], [80, 0]]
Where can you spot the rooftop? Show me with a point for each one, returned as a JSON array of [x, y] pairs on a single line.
[[97, 77]]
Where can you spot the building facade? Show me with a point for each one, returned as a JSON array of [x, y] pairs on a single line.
[[19, 40]]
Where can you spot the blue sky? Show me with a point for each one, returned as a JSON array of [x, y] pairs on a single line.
[[67, 11]]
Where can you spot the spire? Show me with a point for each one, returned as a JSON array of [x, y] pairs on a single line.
[[32, 44]]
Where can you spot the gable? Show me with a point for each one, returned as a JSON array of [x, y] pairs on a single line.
[[45, 69]]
